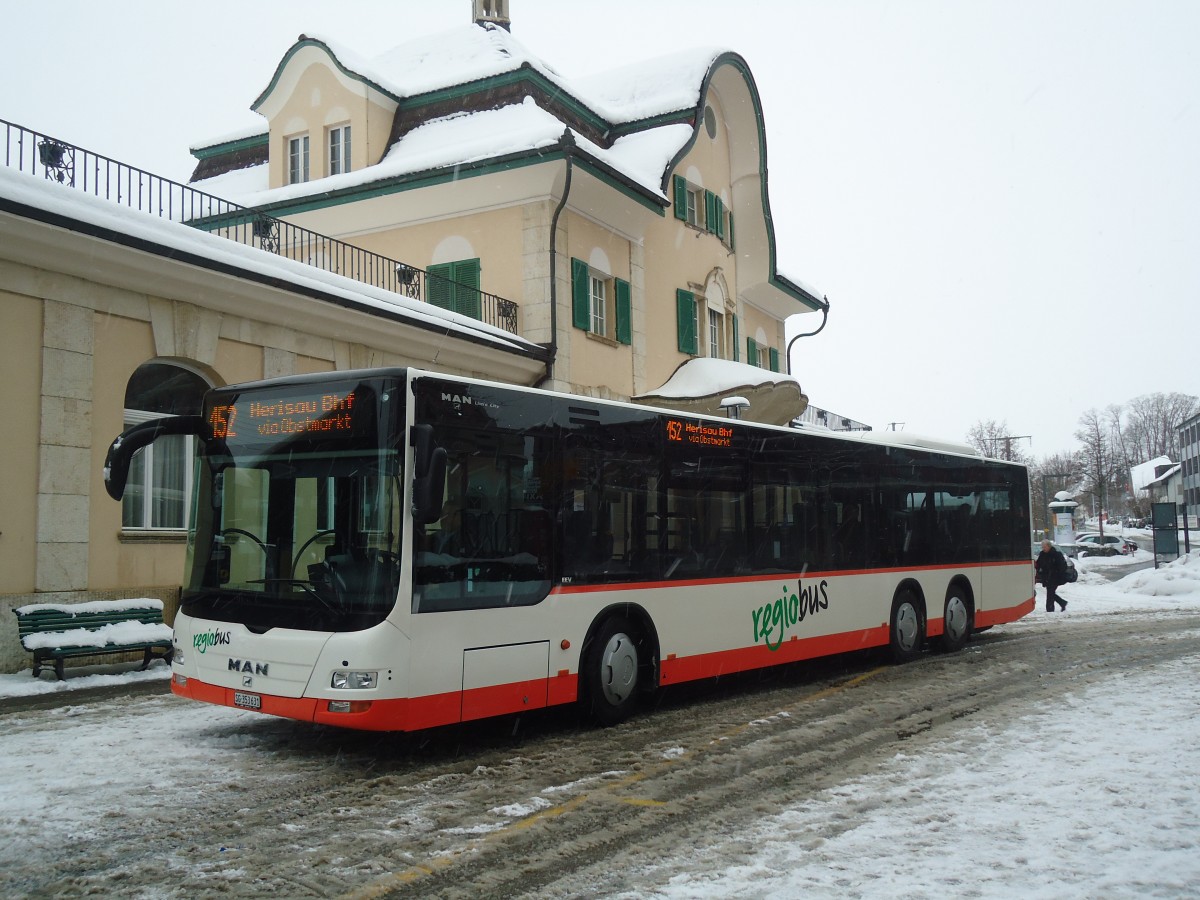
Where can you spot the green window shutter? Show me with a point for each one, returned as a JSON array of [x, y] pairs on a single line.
[[720, 229], [465, 275], [737, 350], [710, 210], [624, 311], [438, 289], [731, 246], [680, 191], [685, 315], [580, 294], [751, 351], [774, 359]]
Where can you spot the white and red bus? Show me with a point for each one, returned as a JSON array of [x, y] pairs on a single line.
[[396, 549]]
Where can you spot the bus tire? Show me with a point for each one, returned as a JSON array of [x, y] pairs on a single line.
[[907, 627], [957, 621], [610, 672]]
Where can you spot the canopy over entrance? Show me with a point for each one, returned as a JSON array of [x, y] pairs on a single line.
[[699, 386]]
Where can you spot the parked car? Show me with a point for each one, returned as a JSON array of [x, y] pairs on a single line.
[[1108, 545]]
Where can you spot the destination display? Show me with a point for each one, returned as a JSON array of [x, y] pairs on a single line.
[[271, 416], [701, 433]]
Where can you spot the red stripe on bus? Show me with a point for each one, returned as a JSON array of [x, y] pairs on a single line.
[[760, 656], [403, 714], [988, 617]]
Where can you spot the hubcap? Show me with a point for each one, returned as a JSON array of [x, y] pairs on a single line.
[[618, 669], [906, 627], [956, 617]]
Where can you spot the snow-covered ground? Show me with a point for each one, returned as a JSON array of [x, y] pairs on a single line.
[[1094, 795]]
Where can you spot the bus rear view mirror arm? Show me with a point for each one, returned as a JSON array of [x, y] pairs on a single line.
[[134, 438]]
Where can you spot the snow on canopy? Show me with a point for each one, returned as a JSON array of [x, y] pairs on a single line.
[[700, 384]]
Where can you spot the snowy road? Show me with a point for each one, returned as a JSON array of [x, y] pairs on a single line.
[[833, 774]]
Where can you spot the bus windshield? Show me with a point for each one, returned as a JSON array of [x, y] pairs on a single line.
[[298, 518]]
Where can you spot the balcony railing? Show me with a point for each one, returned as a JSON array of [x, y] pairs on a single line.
[[42, 155]]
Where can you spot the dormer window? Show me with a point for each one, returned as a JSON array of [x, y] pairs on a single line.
[[298, 159], [339, 150]]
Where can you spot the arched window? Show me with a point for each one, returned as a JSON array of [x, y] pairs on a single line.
[[157, 495]]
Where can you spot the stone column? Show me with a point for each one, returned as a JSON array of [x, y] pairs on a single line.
[[64, 457]]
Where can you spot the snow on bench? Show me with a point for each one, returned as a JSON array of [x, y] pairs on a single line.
[[52, 631]]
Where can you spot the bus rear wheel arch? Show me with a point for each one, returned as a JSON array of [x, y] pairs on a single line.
[[907, 625]]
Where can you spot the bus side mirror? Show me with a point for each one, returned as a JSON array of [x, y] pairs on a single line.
[[429, 477], [133, 439]]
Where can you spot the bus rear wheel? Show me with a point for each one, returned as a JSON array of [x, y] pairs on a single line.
[[956, 621], [907, 627], [610, 672]]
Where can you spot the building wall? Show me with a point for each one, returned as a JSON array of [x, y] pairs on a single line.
[[20, 365], [598, 366]]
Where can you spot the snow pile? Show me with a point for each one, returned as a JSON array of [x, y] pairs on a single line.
[[1178, 579]]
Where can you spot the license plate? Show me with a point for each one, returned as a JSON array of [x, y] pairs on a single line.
[[247, 701]]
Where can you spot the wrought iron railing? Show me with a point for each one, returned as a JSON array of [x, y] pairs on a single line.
[[42, 155]]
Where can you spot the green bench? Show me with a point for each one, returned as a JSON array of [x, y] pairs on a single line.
[[55, 633]]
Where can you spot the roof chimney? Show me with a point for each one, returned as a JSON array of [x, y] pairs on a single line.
[[492, 11]]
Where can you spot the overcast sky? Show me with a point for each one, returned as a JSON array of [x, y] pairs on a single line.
[[1000, 198]]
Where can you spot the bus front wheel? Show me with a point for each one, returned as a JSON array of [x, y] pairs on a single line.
[[610, 672], [907, 627]]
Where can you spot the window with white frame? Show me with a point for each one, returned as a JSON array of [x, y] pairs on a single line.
[[693, 206], [298, 159], [158, 491], [716, 334], [339, 150], [599, 294]]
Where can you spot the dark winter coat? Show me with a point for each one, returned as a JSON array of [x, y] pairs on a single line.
[[1051, 567]]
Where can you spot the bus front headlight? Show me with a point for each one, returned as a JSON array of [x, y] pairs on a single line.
[[354, 680]]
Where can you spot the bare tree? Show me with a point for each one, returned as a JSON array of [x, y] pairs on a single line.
[[1098, 456], [1152, 424], [992, 438]]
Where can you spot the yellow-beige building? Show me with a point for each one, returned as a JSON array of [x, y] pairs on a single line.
[[455, 204]]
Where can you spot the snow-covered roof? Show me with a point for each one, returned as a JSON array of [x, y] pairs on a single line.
[[1141, 476], [1165, 476], [466, 138], [631, 93]]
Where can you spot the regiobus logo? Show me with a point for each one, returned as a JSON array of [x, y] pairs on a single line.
[[213, 638], [771, 620]]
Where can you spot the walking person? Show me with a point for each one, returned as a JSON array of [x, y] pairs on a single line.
[[1050, 569]]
